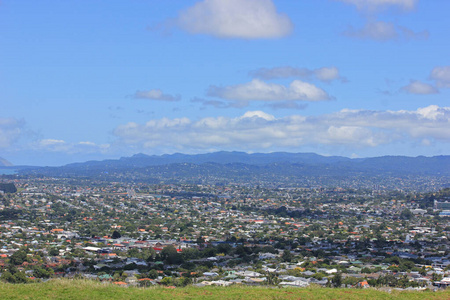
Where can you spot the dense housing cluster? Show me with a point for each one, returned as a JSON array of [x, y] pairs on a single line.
[[180, 234]]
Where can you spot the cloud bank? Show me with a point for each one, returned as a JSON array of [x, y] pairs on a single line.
[[258, 130]]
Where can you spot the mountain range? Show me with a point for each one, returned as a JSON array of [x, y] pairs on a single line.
[[310, 162]]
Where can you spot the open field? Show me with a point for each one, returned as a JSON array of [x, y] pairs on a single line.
[[81, 289]]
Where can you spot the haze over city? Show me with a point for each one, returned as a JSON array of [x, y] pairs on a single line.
[[84, 80]]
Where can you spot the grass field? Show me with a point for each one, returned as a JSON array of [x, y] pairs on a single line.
[[84, 289]]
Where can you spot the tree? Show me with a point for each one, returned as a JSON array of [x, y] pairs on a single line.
[[287, 256], [20, 277], [116, 234], [18, 257], [133, 252], [167, 281], [42, 273], [337, 280], [8, 277], [149, 254], [387, 280], [200, 241], [183, 281], [170, 255], [272, 278], [436, 277], [53, 252], [153, 274], [406, 214], [8, 187]]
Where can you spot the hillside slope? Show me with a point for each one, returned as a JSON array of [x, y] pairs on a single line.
[[83, 289], [5, 163]]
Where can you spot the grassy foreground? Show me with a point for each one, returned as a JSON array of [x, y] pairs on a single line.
[[84, 289]]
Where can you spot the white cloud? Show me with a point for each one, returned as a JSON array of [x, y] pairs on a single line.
[[261, 91], [87, 143], [420, 88], [348, 135], [442, 76], [254, 131], [258, 114], [10, 131], [246, 19], [372, 5], [326, 74], [155, 94], [51, 142], [380, 30]]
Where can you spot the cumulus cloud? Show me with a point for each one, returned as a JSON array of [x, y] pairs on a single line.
[[384, 31], [420, 88], [380, 30], [258, 130], [10, 131], [442, 76], [261, 91], [155, 94], [246, 19], [374, 5], [326, 74]]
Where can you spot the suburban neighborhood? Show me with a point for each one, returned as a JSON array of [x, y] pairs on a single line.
[[180, 234]]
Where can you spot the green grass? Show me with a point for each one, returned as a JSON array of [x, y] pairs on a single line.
[[85, 289]]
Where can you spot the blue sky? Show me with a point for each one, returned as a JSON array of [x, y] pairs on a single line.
[[82, 80]]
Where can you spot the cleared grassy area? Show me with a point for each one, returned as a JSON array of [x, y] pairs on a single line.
[[84, 289]]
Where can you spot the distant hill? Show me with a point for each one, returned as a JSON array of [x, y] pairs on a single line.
[[305, 164], [5, 163], [222, 157], [436, 165]]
